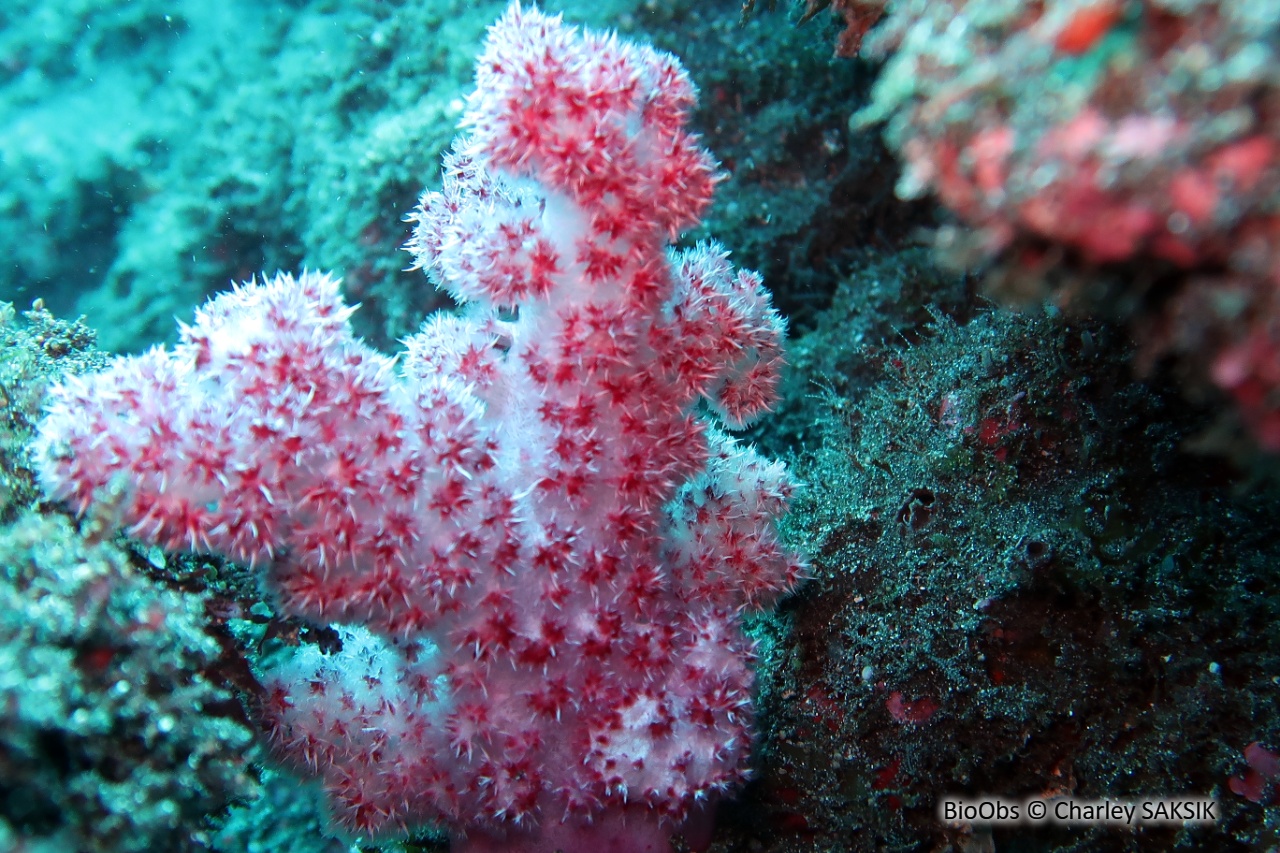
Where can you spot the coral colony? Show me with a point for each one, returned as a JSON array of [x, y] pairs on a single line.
[[1116, 133], [535, 538]]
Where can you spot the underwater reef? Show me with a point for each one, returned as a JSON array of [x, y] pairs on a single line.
[[600, 561]]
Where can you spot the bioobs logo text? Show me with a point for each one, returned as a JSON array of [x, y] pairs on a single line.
[[1072, 811], [954, 811]]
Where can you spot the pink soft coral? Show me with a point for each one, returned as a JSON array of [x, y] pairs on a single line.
[[537, 545]]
